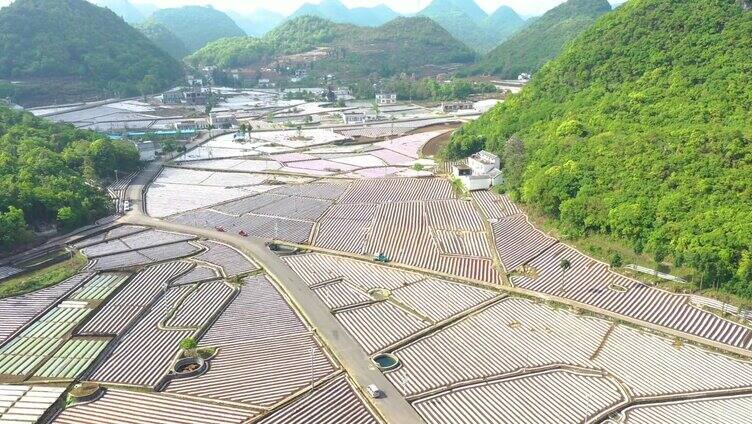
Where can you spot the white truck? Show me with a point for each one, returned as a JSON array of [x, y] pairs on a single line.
[[374, 391]]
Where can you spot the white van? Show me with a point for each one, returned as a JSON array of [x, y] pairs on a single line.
[[374, 391]]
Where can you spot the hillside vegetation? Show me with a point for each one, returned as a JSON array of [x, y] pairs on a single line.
[[641, 130], [467, 22], [197, 25], [163, 38], [531, 47], [401, 45], [49, 172], [75, 40]]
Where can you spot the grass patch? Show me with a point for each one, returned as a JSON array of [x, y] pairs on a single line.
[[42, 278]]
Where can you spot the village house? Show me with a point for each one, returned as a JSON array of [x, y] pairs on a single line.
[[451, 107], [222, 121], [383, 99], [173, 97], [353, 118], [481, 172]]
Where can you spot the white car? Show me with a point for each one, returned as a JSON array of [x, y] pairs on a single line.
[[127, 206], [374, 391]]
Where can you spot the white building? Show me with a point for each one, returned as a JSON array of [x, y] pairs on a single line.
[[451, 107], [351, 118], [223, 121], [481, 172], [147, 150], [386, 99]]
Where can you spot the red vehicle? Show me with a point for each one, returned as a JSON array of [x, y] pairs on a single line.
[[243, 233], [220, 228]]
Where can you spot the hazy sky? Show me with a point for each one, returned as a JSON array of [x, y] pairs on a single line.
[[523, 7]]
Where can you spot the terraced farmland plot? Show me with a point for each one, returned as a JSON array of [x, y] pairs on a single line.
[[146, 256], [15, 312], [517, 336], [379, 325], [410, 145], [317, 268], [508, 336], [22, 354], [228, 259], [199, 273], [72, 359], [260, 372], [201, 305], [99, 287], [26, 404], [549, 397], [136, 241], [143, 355], [397, 190], [258, 312], [591, 282], [115, 233], [732, 410], [401, 232], [334, 402], [178, 190], [125, 407], [438, 299], [140, 292], [494, 206], [341, 294], [518, 242]]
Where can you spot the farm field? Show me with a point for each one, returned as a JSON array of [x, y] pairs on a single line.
[[454, 300], [119, 325]]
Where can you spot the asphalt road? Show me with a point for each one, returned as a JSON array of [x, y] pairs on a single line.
[[392, 407]]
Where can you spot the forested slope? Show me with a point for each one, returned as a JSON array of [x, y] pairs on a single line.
[[48, 174], [641, 129], [82, 43], [531, 47], [401, 45], [196, 26]]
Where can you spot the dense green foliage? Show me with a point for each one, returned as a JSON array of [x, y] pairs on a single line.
[[163, 38], [469, 23], [335, 11], [530, 48], [430, 89], [49, 172], [197, 25], [73, 39], [401, 45], [122, 8], [641, 130]]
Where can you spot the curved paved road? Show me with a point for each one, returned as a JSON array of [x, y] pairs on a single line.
[[393, 407]]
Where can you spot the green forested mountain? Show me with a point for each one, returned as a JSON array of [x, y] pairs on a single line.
[[470, 24], [335, 11], [122, 8], [163, 38], [531, 47], [45, 174], [197, 25], [641, 130], [258, 22], [401, 45], [80, 43]]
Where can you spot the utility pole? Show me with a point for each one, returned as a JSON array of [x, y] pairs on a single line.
[[312, 352]]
